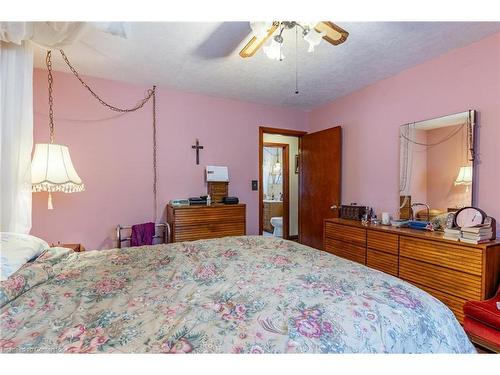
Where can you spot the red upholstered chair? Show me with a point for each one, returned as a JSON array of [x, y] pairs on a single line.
[[482, 322]]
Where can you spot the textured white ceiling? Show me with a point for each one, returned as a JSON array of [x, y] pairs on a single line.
[[203, 57]]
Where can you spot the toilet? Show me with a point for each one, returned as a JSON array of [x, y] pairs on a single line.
[[277, 223]]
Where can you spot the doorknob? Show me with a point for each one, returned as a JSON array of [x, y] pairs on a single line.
[[334, 207]]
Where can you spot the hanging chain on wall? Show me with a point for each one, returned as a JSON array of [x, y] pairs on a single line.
[[50, 80], [151, 94], [155, 175], [139, 105]]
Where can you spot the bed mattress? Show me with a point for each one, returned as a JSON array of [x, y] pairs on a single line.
[[247, 294]]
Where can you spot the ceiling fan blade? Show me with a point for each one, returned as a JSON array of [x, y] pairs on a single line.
[[334, 34], [255, 43]]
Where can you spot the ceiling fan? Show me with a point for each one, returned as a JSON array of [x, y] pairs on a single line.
[[312, 32]]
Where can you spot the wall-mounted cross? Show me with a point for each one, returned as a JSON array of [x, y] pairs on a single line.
[[197, 147]]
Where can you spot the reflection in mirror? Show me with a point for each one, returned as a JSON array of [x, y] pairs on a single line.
[[436, 166], [273, 170], [272, 173]]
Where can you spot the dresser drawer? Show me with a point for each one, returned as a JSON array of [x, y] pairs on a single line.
[[381, 261], [386, 242], [345, 233], [209, 230], [200, 222], [455, 304], [204, 215], [346, 250], [456, 283], [456, 257]]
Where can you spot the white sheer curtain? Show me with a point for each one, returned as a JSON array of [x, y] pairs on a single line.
[[57, 34], [16, 136], [16, 110]]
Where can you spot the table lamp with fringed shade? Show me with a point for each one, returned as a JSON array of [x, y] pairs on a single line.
[[464, 176], [51, 168]]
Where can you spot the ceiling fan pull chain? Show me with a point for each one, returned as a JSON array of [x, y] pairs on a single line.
[[296, 61]]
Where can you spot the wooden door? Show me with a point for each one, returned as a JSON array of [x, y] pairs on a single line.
[[320, 183]]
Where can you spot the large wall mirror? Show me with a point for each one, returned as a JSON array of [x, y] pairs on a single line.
[[437, 165]]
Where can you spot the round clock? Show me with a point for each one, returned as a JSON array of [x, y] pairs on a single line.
[[469, 216]]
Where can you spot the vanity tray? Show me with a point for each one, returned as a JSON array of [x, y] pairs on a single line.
[[399, 223], [415, 224]]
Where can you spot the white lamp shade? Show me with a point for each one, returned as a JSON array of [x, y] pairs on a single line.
[[52, 170], [273, 50], [313, 38], [310, 24], [260, 29], [464, 176]]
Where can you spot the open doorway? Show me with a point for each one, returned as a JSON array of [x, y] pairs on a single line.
[[279, 182]]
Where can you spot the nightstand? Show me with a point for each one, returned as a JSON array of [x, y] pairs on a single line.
[[77, 247]]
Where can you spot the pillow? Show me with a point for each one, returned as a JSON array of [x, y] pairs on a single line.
[[16, 249]]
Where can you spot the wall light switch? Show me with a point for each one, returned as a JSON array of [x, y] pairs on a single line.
[[255, 185]]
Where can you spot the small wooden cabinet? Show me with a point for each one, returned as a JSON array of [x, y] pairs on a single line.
[[217, 190], [189, 223], [451, 271]]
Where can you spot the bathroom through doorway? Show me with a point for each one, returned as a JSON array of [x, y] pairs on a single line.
[[279, 183]]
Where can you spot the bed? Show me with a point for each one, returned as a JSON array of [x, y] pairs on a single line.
[[247, 294]]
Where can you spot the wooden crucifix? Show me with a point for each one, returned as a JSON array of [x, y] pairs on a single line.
[[197, 147]]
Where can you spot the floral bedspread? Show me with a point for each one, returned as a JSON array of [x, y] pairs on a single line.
[[247, 294]]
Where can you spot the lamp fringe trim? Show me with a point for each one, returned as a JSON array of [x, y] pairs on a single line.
[[63, 188]]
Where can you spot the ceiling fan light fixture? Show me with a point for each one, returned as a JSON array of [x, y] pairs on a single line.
[[273, 50], [312, 32], [314, 38], [260, 29], [309, 25]]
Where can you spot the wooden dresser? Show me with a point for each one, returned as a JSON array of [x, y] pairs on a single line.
[[189, 223], [451, 271]]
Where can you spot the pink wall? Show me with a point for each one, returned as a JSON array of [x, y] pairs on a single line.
[[465, 78], [113, 157]]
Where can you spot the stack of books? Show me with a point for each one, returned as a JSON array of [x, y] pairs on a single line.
[[453, 234], [477, 234]]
